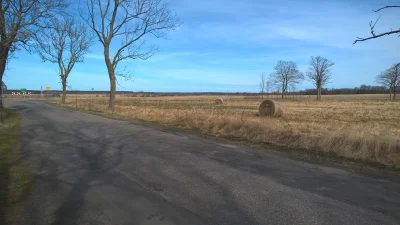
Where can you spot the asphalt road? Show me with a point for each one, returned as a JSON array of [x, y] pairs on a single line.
[[94, 170]]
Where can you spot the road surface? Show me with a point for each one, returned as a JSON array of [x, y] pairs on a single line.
[[94, 170]]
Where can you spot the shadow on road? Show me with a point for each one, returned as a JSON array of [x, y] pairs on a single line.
[[91, 165]]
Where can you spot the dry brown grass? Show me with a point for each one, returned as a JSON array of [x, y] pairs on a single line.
[[365, 127]]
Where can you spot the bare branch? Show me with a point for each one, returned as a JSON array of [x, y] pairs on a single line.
[[372, 28], [377, 36], [389, 6]]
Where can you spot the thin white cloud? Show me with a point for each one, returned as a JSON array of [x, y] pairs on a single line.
[[211, 76], [329, 23]]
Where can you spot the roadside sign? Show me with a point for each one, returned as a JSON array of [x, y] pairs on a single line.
[[47, 88], [23, 90]]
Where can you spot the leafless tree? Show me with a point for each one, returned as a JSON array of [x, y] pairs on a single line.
[[65, 43], [268, 86], [263, 78], [285, 75], [19, 21], [390, 79], [128, 21], [373, 24], [319, 72]]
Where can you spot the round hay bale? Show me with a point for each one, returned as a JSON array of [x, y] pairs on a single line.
[[270, 108], [219, 101]]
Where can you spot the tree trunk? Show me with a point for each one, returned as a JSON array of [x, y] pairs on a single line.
[[394, 93], [319, 93], [111, 75], [64, 87], [111, 104], [3, 62]]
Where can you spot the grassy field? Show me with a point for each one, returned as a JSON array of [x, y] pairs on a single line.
[[15, 180], [365, 127]]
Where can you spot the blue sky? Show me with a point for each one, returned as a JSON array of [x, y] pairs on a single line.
[[224, 45]]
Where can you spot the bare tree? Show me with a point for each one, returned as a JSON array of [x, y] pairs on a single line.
[[373, 24], [319, 72], [268, 87], [20, 20], [390, 79], [129, 21], [263, 78], [65, 43], [285, 75]]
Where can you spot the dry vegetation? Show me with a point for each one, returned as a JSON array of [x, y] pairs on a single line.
[[365, 127]]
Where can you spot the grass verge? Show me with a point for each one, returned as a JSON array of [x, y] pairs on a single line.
[[16, 181]]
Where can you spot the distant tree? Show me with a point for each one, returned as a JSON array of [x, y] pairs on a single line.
[[372, 27], [319, 72], [263, 78], [390, 79], [268, 86], [65, 43], [127, 22], [20, 20], [286, 74]]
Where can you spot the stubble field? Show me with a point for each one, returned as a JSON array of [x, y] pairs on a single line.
[[365, 127]]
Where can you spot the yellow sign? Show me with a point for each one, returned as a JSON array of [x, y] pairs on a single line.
[[47, 88]]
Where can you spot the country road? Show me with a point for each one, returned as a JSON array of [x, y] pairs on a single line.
[[94, 170]]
